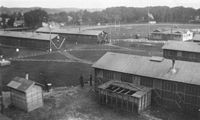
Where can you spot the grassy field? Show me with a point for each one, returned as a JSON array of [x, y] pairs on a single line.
[[9, 52], [57, 73], [130, 30], [134, 48], [48, 56]]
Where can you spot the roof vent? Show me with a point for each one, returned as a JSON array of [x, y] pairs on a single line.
[[156, 59], [173, 69]]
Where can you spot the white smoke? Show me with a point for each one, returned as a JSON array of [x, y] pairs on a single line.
[[150, 16]]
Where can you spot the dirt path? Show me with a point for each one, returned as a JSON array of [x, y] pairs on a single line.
[[68, 55], [29, 55], [125, 48], [44, 60]]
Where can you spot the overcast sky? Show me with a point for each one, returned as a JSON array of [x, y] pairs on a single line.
[[98, 3]]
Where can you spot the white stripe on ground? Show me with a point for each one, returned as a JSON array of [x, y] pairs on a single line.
[[68, 55]]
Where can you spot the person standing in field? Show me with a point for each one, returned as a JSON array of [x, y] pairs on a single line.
[[90, 79], [81, 81]]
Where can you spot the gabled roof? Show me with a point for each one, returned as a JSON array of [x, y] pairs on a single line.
[[182, 46], [68, 31], [157, 30], [196, 37], [28, 35], [20, 84], [186, 72], [171, 31]]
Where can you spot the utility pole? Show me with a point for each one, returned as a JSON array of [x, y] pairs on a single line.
[[4, 64], [50, 39], [1, 91]]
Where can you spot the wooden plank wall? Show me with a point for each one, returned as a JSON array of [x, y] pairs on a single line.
[[34, 98], [182, 55], [182, 95], [80, 39], [18, 99], [26, 43]]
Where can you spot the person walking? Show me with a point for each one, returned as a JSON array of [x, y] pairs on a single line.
[[81, 81]]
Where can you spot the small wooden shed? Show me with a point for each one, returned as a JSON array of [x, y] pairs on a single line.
[[25, 94], [124, 96]]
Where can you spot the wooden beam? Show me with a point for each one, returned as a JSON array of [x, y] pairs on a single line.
[[127, 92], [116, 89], [121, 91]]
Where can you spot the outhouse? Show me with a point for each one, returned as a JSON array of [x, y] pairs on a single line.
[[25, 94]]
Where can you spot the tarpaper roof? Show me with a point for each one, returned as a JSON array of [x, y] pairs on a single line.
[[182, 46], [186, 72], [68, 31], [20, 84], [27, 35]]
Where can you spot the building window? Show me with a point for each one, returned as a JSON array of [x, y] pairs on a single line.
[[126, 77], [192, 55], [146, 82], [99, 73], [179, 54], [117, 76], [108, 74], [136, 80], [169, 53]]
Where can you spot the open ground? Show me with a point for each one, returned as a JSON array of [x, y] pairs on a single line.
[[63, 69]]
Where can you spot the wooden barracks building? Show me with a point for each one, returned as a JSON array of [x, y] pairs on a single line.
[[30, 40], [174, 83], [171, 34], [78, 36], [187, 51]]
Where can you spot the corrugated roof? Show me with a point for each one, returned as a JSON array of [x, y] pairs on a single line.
[[196, 37], [28, 35], [182, 46], [186, 72], [69, 31], [20, 84]]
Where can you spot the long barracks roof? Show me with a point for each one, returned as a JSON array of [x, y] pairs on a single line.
[[27, 35], [186, 72], [20, 84], [182, 46], [68, 31]]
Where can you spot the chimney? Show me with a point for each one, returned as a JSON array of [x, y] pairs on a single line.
[[27, 76], [173, 69]]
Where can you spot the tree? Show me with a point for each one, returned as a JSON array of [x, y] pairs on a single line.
[[128, 15], [35, 17]]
